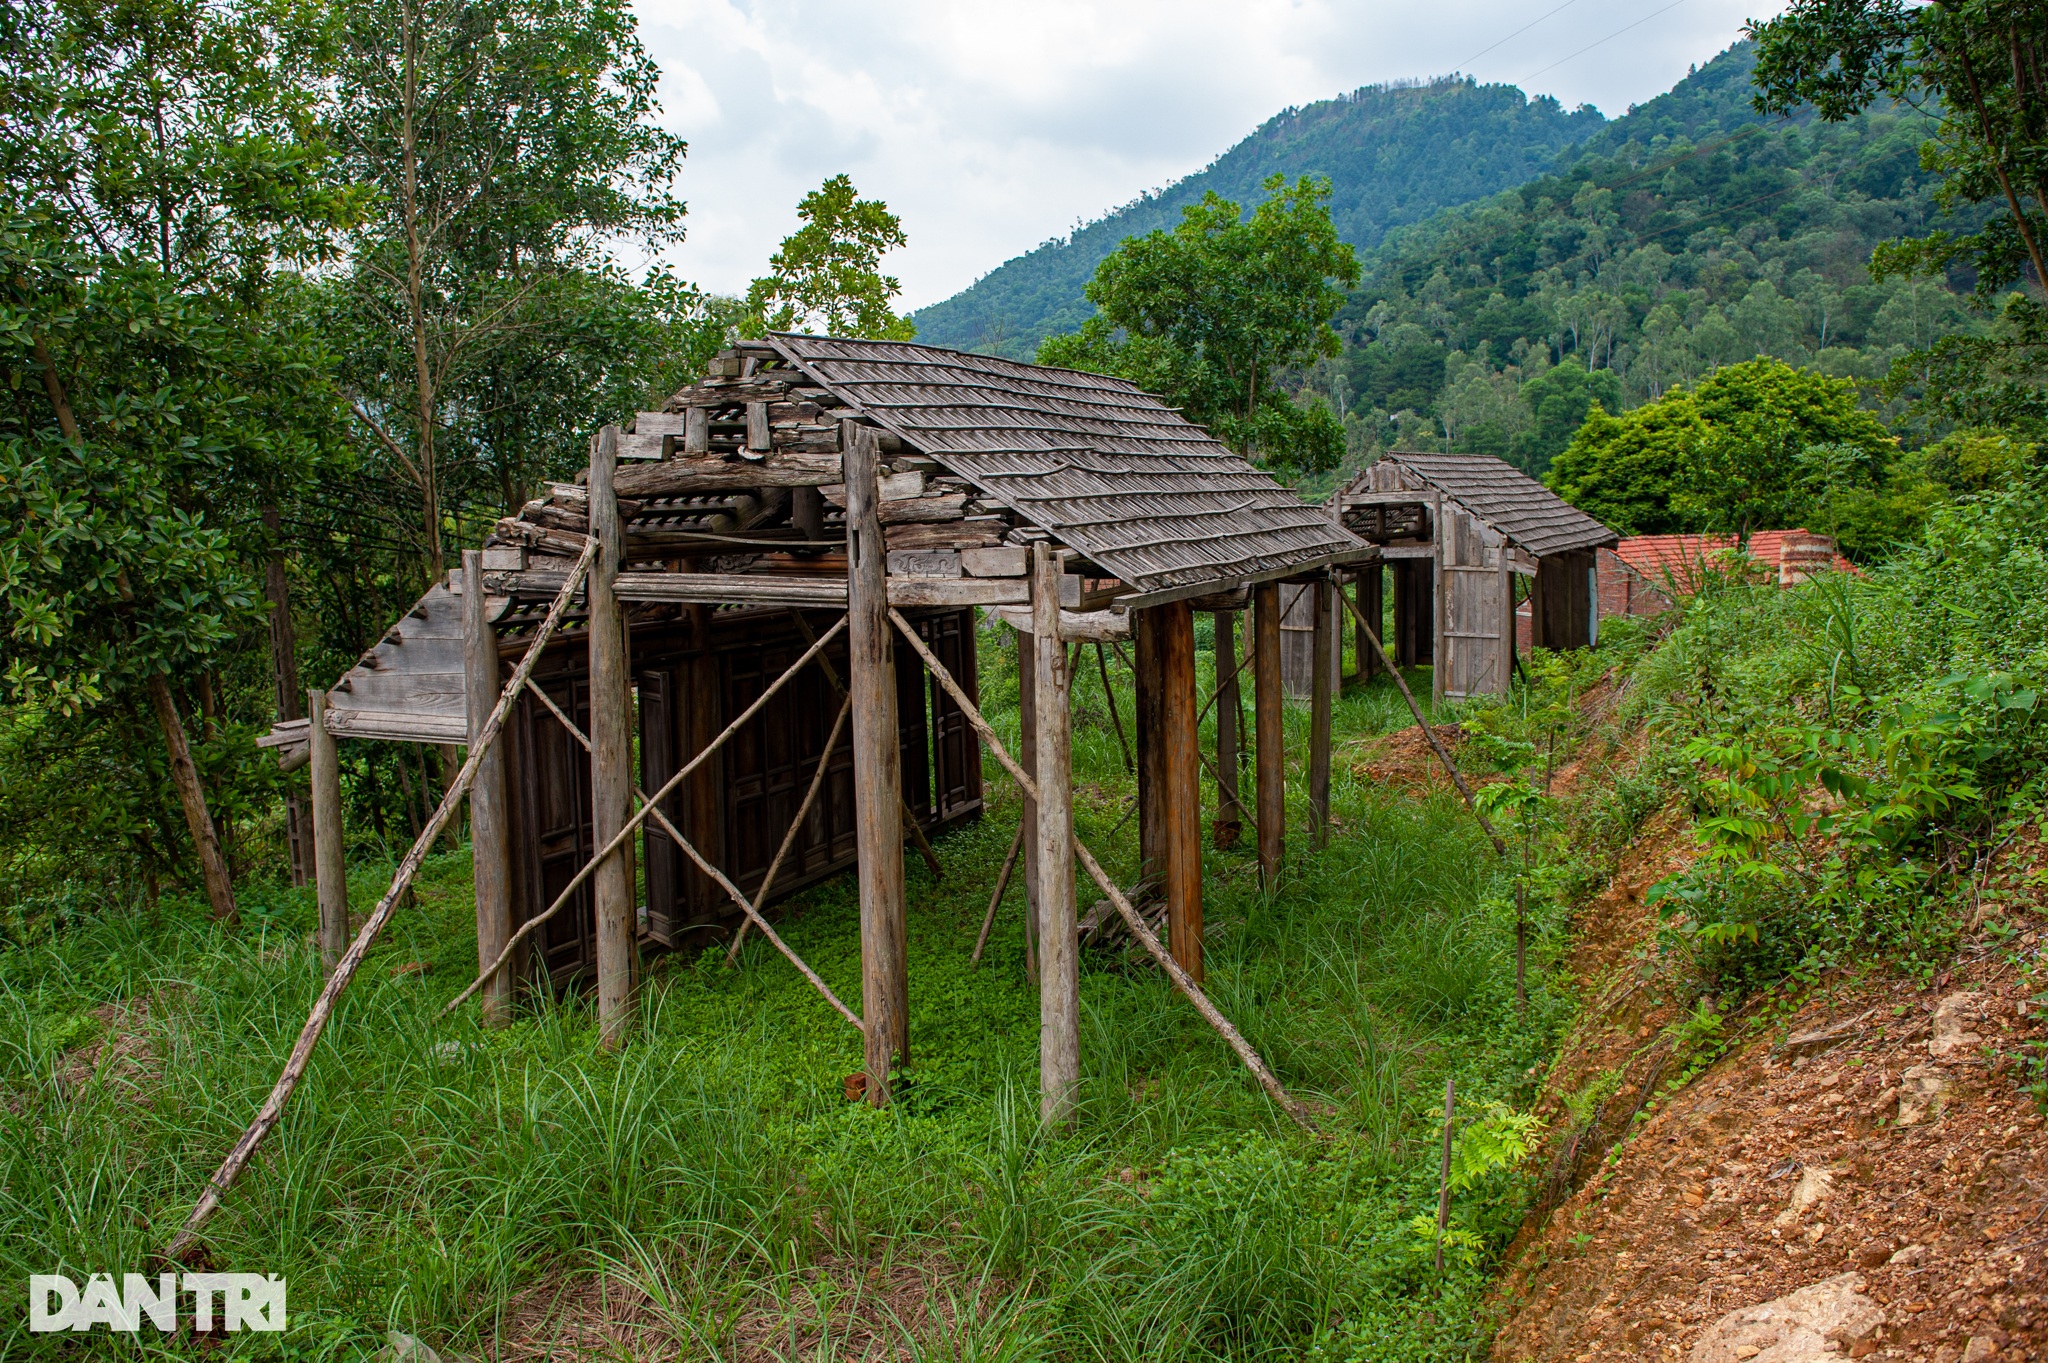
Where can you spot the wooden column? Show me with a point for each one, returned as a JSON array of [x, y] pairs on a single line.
[[1321, 698], [1149, 687], [611, 754], [1436, 606], [1371, 604], [490, 846], [1027, 756], [877, 767], [1179, 741], [330, 856], [1267, 731], [1229, 823], [1059, 964]]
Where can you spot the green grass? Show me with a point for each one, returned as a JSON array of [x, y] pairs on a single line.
[[429, 1173]]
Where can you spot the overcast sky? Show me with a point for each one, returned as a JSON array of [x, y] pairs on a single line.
[[989, 127]]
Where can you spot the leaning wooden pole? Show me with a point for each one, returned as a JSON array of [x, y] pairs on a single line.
[[877, 767], [1322, 696], [490, 847], [330, 853], [1268, 733], [1182, 981], [1059, 948], [345, 971], [1429, 733], [611, 755]]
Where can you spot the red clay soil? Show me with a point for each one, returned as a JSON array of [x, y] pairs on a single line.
[[1943, 1212], [1403, 759]]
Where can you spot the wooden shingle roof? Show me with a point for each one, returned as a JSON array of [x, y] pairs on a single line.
[[1095, 462], [1509, 500]]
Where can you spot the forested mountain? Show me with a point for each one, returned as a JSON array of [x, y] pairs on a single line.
[[1395, 153], [1688, 234]]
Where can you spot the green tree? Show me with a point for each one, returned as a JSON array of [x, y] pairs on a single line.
[[1213, 314], [826, 278], [1627, 471], [1753, 470], [1976, 66], [1758, 445], [511, 143], [1558, 401], [163, 162]]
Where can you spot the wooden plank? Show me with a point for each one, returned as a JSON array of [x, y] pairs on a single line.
[[696, 431], [961, 591], [1059, 972], [1322, 694], [925, 563], [924, 510], [611, 755], [730, 589], [1271, 801], [489, 836], [1098, 627], [1007, 560], [684, 477], [330, 855], [878, 773], [758, 437], [396, 726], [658, 423], [1228, 825], [1180, 774]]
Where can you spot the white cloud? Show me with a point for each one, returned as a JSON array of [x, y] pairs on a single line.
[[989, 127]]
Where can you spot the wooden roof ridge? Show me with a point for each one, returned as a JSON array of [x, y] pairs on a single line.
[[1506, 499]]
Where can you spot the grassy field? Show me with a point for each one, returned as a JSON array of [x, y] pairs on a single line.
[[708, 1192]]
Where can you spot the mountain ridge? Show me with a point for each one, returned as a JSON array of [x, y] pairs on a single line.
[[1396, 154]]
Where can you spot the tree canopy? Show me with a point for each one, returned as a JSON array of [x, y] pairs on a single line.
[[826, 277], [1214, 314], [1757, 445]]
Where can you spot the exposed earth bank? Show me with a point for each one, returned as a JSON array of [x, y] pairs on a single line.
[[1862, 1173]]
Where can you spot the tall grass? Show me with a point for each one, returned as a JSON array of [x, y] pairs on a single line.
[[430, 1174]]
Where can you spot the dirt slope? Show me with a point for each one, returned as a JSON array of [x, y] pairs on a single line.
[[1879, 1130]]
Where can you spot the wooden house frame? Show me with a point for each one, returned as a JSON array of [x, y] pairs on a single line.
[[1454, 532], [784, 566]]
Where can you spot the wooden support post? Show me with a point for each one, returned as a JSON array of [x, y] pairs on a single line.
[[1271, 810], [1059, 964], [490, 847], [330, 854], [877, 767], [1321, 697], [1027, 755], [1179, 740], [1370, 605], [1438, 663], [1229, 823], [1148, 671], [611, 754]]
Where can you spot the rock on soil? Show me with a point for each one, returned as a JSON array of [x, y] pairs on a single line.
[[1812, 1324]]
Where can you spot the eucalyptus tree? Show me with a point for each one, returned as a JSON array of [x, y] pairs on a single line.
[[162, 161], [484, 319]]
